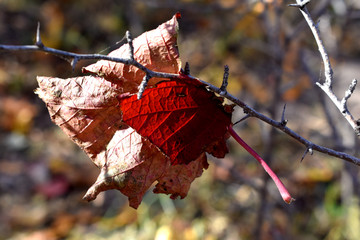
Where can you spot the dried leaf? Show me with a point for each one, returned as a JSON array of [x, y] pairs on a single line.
[[156, 49], [136, 180], [85, 109], [174, 180]]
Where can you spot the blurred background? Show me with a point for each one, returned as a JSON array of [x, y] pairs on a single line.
[[273, 60]]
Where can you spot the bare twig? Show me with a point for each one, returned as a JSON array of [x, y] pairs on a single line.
[[74, 57], [253, 113], [334, 130], [327, 85]]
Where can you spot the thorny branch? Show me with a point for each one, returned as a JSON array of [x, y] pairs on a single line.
[[279, 125], [328, 72], [73, 58]]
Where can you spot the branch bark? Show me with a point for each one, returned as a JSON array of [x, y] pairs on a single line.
[[326, 87], [74, 58]]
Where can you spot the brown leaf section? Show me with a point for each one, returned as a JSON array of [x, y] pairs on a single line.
[[177, 178], [134, 183], [85, 109], [156, 49], [133, 150]]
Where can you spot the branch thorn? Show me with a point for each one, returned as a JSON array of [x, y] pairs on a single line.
[[143, 85], [187, 69], [283, 120], [242, 119], [74, 62], [225, 80], [299, 3], [131, 46], [308, 150], [38, 37]]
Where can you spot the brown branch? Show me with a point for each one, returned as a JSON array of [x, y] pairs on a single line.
[[279, 125], [74, 57], [335, 136], [327, 85]]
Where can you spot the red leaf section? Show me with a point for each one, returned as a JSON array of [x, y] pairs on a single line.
[[162, 137], [180, 117], [156, 49]]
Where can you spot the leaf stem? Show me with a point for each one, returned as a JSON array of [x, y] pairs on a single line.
[[282, 189]]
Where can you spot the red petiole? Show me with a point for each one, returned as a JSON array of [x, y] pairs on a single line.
[[282, 189]]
